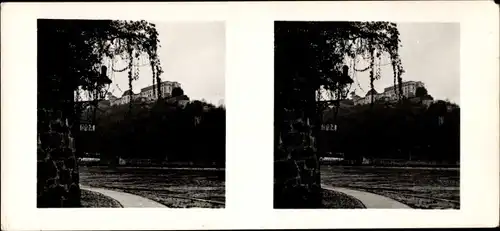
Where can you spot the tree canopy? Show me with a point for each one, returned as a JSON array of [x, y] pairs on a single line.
[[396, 131], [160, 131], [421, 92], [318, 50], [177, 91], [312, 58], [79, 48]]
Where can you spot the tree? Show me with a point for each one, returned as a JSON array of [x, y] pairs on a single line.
[[70, 58], [177, 91], [421, 92], [132, 40], [409, 127], [310, 56], [182, 139]]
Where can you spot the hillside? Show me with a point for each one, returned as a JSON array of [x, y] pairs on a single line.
[[405, 130]]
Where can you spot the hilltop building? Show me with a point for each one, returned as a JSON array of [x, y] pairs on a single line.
[[390, 93], [147, 94]]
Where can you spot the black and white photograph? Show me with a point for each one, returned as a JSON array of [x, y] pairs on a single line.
[[131, 114], [366, 115], [263, 115]]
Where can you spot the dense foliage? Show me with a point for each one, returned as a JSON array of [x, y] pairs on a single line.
[[312, 56], [408, 131], [421, 91], [71, 56], [161, 131], [78, 49]]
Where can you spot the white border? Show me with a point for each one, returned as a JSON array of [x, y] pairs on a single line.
[[249, 100]]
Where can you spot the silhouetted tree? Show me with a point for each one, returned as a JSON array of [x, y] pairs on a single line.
[[411, 128], [181, 136], [177, 91], [421, 92]]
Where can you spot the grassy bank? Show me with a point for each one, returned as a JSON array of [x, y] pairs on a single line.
[[338, 200], [173, 188], [424, 188], [96, 200]]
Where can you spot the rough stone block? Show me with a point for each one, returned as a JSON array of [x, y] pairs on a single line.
[[284, 170], [280, 155], [50, 140], [66, 177], [73, 196], [50, 169], [41, 170], [75, 176], [40, 154], [70, 162], [300, 164], [57, 126]]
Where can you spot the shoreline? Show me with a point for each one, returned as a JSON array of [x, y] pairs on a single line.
[[159, 167], [428, 167]]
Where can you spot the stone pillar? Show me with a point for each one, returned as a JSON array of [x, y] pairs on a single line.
[[296, 167], [57, 169]]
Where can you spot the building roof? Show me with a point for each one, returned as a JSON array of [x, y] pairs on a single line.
[[127, 92], [147, 88], [166, 82], [402, 84]]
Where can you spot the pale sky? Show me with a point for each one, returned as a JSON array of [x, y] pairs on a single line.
[[191, 53], [430, 53]]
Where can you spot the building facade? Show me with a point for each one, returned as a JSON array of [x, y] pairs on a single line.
[[409, 89], [390, 93], [147, 94]]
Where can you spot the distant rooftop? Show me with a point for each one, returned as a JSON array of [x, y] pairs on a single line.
[[403, 84], [162, 83], [127, 92]]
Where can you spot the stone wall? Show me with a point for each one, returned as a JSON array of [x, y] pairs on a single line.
[[57, 169], [296, 167]]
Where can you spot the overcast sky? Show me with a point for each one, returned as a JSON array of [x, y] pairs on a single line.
[[191, 53], [430, 53]]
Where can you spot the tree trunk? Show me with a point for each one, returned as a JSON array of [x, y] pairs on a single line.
[[158, 81], [130, 76], [296, 177], [154, 78], [372, 77]]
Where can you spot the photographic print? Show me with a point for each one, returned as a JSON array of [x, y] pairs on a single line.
[[367, 115], [130, 114]]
